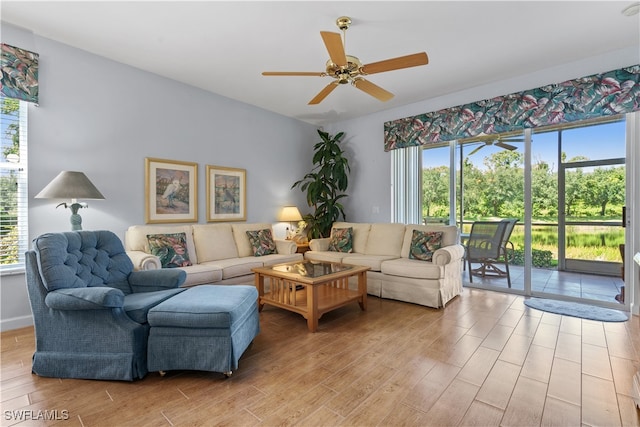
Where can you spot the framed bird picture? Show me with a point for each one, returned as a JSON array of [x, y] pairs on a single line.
[[226, 194], [171, 191]]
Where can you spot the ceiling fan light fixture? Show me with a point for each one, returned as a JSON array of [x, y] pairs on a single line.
[[345, 68], [344, 22], [343, 78]]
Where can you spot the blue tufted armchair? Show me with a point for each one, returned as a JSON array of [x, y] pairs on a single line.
[[90, 307]]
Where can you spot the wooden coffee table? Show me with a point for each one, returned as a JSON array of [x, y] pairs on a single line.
[[310, 288]]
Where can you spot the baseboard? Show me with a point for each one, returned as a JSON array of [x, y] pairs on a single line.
[[15, 323]]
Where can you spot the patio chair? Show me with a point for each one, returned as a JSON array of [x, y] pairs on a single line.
[[488, 244]]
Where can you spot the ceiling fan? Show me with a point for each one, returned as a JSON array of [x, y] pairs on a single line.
[[498, 142], [345, 68]]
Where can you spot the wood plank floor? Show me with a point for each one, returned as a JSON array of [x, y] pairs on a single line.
[[484, 360]]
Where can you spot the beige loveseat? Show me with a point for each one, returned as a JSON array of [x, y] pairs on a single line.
[[385, 247], [221, 253]]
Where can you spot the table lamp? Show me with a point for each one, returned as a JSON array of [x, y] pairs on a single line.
[[74, 186], [290, 214]]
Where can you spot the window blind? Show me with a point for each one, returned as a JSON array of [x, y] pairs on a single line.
[[13, 184], [406, 184]]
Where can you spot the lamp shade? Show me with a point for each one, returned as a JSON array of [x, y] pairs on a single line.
[[70, 185], [290, 214]]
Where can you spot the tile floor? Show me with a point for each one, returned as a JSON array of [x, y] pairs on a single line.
[[580, 285]]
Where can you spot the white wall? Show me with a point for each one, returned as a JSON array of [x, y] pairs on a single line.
[[103, 118]]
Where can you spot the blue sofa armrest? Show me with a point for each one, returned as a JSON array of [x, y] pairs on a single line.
[[92, 298], [156, 280]]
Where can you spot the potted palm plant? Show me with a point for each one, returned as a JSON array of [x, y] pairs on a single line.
[[325, 185]]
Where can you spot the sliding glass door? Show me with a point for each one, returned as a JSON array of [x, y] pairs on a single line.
[[565, 185], [591, 200]]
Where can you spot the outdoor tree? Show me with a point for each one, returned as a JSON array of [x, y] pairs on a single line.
[[473, 184], [8, 108], [605, 186], [8, 183], [573, 190], [504, 182], [544, 188], [574, 183], [435, 190]]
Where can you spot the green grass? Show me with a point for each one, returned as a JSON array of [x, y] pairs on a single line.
[[598, 243], [593, 242]]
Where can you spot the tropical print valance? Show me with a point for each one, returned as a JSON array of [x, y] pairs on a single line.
[[606, 94], [19, 78]]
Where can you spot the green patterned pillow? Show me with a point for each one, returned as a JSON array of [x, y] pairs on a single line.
[[170, 248], [424, 244], [262, 242], [341, 240]]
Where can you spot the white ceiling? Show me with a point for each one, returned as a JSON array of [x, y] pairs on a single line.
[[223, 47]]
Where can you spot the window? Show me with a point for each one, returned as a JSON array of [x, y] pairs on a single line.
[[13, 183], [436, 184]]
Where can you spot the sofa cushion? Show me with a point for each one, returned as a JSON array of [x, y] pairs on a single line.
[[261, 242], [411, 268], [449, 235], [171, 248], [205, 307], [385, 239], [234, 267], [341, 240], [374, 262], [202, 273], [280, 258], [242, 240], [326, 256], [360, 234], [136, 237], [138, 305], [424, 244], [214, 241]]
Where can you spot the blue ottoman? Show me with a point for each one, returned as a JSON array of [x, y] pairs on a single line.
[[205, 328]]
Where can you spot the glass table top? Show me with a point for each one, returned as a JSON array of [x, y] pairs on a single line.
[[311, 269]]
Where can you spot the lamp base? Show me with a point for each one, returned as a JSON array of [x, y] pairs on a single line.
[[76, 222]]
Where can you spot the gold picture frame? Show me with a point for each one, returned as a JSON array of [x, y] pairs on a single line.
[[226, 194], [171, 191]]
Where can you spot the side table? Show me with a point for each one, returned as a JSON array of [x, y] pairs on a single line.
[[302, 248]]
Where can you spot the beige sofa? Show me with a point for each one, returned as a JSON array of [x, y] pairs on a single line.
[[221, 253], [385, 249]]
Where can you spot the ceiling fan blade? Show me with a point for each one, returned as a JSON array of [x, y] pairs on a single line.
[[323, 93], [396, 63], [475, 150], [334, 45], [505, 146], [372, 89], [293, 73]]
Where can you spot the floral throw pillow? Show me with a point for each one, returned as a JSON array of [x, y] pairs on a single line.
[[262, 242], [424, 244], [170, 248], [341, 240]]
